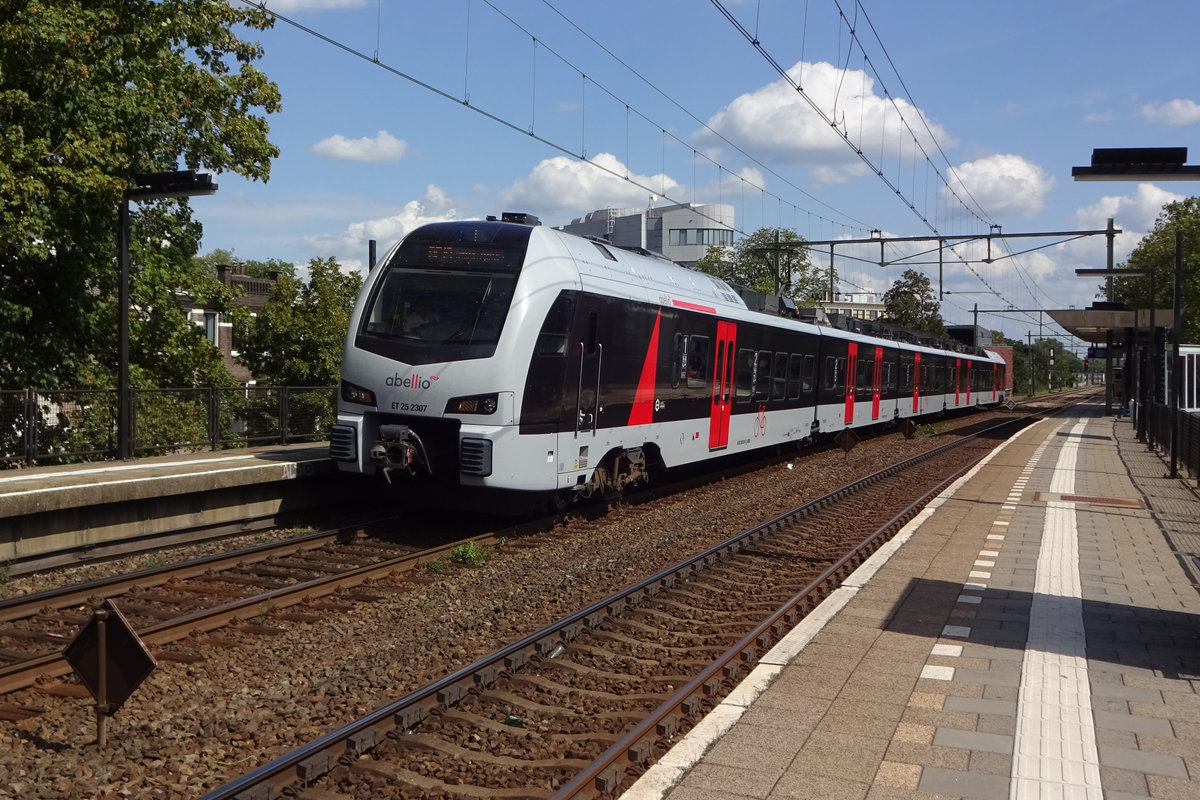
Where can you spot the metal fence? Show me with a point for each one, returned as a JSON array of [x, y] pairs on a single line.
[[1159, 422], [43, 426]]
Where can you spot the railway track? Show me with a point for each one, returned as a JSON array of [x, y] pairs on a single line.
[[301, 578], [581, 707]]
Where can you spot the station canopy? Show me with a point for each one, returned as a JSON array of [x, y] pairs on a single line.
[[1094, 323]]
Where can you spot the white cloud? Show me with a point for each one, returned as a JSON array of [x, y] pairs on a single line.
[[1001, 184], [285, 6], [1174, 112], [382, 147], [777, 124], [559, 189], [1135, 212], [351, 244]]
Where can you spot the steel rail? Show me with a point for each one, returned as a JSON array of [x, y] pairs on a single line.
[[15, 608], [25, 673], [306, 764]]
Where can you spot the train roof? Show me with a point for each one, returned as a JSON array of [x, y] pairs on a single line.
[[646, 275]]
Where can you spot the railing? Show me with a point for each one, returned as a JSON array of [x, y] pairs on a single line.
[[1158, 422], [40, 426]]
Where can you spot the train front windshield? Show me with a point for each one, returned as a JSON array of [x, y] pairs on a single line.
[[437, 307], [445, 294]]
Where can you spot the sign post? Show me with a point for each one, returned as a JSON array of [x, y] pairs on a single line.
[[111, 660]]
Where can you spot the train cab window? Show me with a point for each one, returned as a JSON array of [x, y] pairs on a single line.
[[697, 349], [743, 376], [795, 370], [779, 379], [762, 376]]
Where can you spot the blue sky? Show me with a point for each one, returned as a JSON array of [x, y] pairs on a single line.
[[973, 112]]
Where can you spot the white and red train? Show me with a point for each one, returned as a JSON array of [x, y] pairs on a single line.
[[510, 355]]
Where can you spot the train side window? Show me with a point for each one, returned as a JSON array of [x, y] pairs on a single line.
[[866, 376], [556, 328], [762, 376], [593, 331], [835, 368], [743, 379], [677, 357], [779, 377], [795, 367], [697, 362], [810, 373]]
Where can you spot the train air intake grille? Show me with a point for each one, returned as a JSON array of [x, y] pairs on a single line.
[[475, 457], [342, 445]]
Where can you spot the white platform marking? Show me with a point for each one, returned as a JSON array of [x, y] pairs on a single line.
[[1055, 753]]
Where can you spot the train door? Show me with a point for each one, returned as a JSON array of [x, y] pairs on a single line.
[[957, 380], [851, 380], [722, 386], [916, 384], [588, 401], [875, 383]]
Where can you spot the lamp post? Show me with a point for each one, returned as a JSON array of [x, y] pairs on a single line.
[[151, 186]]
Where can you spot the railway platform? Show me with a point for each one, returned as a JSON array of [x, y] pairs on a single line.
[[74, 507], [1033, 633]]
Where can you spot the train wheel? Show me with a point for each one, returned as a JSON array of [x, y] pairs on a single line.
[[559, 501]]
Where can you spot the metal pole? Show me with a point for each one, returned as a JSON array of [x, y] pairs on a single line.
[[940, 292], [371, 256], [1152, 394], [1031, 363], [1173, 372], [1110, 234], [124, 417], [831, 273], [102, 709], [776, 255]]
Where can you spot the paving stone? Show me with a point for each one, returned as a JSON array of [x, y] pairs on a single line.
[[980, 706], [1123, 780], [1141, 761], [973, 740], [968, 785], [1128, 722], [722, 781], [803, 786]]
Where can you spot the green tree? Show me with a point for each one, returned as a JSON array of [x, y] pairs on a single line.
[[297, 338], [752, 263], [92, 94], [1156, 252], [911, 303]]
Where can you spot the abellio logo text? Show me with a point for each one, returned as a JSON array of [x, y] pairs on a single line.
[[413, 381]]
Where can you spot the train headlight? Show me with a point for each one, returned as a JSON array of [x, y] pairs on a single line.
[[357, 394], [475, 404]]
